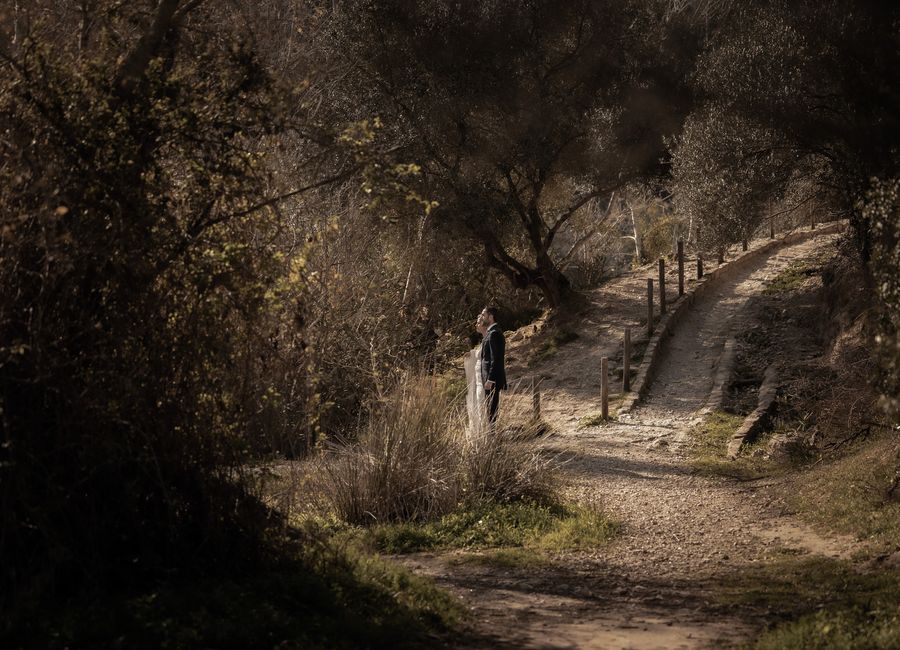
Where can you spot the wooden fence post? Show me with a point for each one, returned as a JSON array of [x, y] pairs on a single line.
[[680, 268], [699, 266], [662, 285], [535, 400], [812, 220], [649, 307], [626, 362], [771, 227], [744, 245], [720, 260], [604, 388]]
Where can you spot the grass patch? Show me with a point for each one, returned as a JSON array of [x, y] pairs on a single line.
[[506, 558], [316, 594], [523, 525], [596, 419], [849, 494], [822, 603], [709, 446], [415, 461], [793, 277]]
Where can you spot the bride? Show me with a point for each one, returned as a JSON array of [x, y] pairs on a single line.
[[475, 398]]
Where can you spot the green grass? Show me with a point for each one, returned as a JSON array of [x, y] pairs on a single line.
[[793, 277], [523, 525], [315, 595], [506, 558], [709, 445], [453, 385], [849, 494], [596, 419], [822, 603]]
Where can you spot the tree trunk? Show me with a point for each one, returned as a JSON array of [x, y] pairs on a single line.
[[545, 275], [637, 237], [551, 281]]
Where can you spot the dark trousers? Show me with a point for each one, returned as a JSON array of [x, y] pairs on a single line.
[[493, 404]]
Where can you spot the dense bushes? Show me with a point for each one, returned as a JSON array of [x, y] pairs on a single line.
[[881, 210], [148, 321]]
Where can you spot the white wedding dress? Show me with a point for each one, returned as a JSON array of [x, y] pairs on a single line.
[[475, 400]]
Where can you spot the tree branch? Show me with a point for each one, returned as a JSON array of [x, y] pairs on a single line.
[[277, 199], [571, 210], [497, 257], [514, 195], [135, 64]]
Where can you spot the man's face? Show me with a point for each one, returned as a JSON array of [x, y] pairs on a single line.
[[486, 319]]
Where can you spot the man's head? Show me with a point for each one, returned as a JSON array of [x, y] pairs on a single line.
[[489, 315]]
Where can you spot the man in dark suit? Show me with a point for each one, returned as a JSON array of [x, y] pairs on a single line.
[[493, 354]]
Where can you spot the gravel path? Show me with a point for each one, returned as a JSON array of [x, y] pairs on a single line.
[[683, 533]]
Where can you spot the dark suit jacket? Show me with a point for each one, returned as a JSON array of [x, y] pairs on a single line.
[[493, 355]]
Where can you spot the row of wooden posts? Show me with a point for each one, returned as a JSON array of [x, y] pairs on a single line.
[[626, 352]]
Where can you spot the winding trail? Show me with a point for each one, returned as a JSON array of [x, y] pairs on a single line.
[[683, 533]]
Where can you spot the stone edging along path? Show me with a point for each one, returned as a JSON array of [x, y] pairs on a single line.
[[754, 422], [677, 309]]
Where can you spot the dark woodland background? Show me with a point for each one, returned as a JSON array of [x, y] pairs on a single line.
[[226, 228]]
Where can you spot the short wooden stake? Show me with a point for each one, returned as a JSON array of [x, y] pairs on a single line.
[[812, 221], [662, 285], [744, 245], [535, 401], [699, 266], [721, 259], [626, 362], [680, 268], [771, 227], [649, 307], [604, 388]]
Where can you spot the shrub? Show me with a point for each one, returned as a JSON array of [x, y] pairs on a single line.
[[147, 320], [404, 466], [413, 461], [881, 210], [503, 465]]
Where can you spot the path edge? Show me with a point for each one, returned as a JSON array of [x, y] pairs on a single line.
[[666, 325]]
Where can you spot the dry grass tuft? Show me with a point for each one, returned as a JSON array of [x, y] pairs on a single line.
[[414, 462]]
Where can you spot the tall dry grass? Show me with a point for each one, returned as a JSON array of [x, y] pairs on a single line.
[[414, 461]]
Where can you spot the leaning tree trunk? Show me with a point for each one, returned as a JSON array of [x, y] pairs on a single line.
[[544, 275], [552, 282]]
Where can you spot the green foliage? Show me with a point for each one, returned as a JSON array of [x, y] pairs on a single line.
[[150, 323], [824, 603], [882, 210], [793, 277], [726, 205], [793, 116], [595, 420], [709, 445], [568, 110], [850, 494], [314, 595], [526, 524], [660, 229], [505, 558], [836, 629]]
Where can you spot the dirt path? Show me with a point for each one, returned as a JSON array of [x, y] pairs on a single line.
[[683, 533]]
